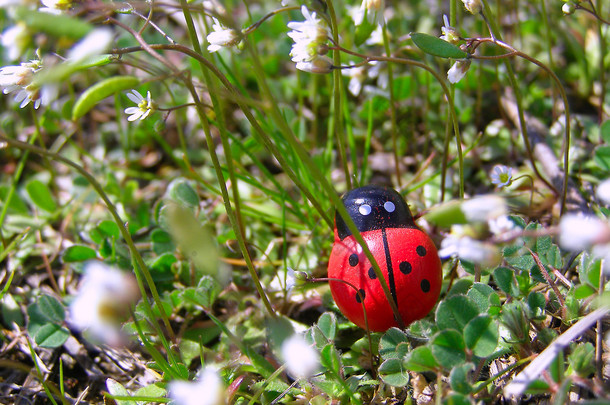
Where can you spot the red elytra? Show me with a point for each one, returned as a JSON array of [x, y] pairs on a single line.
[[406, 256]]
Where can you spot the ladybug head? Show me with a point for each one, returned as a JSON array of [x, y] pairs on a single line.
[[374, 207]]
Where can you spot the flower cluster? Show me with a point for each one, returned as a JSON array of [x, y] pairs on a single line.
[[221, 37], [310, 43], [19, 80]]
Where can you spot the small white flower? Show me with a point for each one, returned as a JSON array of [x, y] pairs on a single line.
[[449, 33], [501, 225], [483, 208], [94, 43], [15, 40], [474, 6], [309, 36], [357, 76], [373, 10], [221, 37], [55, 6], [468, 249], [301, 359], [502, 176], [19, 79], [103, 300], [145, 106], [568, 8], [319, 64], [458, 70], [207, 390], [603, 192], [579, 232]]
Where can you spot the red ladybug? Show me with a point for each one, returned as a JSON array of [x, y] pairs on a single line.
[[407, 257]]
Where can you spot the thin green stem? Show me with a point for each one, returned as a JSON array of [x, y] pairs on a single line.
[[234, 216], [393, 125], [337, 99]]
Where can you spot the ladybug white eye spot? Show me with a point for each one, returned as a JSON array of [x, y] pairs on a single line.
[[389, 206], [364, 209]]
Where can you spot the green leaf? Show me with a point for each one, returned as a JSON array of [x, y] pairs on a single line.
[[582, 359], [51, 335], [41, 195], [504, 279], [181, 191], [78, 253], [435, 46], [109, 229], [52, 309], [455, 312], [328, 325], [602, 157], [100, 91], [448, 348], [459, 378], [116, 389], [58, 25], [363, 30], [604, 130], [393, 344], [420, 359], [481, 335], [456, 399], [329, 358], [446, 214], [479, 293], [393, 373], [583, 291]]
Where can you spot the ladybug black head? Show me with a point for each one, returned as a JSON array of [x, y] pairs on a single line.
[[374, 207]]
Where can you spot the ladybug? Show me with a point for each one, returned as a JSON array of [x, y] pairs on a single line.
[[405, 254]]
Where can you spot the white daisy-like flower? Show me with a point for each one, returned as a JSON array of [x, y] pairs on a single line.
[[207, 390], [483, 208], [474, 6], [15, 40], [145, 106], [55, 6], [319, 64], [449, 33], [309, 36], [466, 248], [458, 70], [579, 231], [103, 301], [603, 192], [301, 359], [221, 37], [501, 176], [94, 43], [19, 80]]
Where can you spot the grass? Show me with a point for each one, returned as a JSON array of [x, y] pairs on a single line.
[[217, 207]]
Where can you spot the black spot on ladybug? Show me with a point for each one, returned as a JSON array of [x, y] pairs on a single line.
[[372, 274], [353, 259], [425, 285], [421, 250], [405, 267], [361, 293]]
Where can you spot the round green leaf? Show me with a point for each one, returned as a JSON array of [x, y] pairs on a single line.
[[481, 335], [51, 308], [455, 312], [602, 157], [100, 91], [51, 335], [393, 373], [182, 192], [420, 359], [479, 293], [41, 195], [109, 228], [329, 358], [78, 253], [504, 279], [328, 325], [389, 343], [459, 378], [436, 46], [448, 348]]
